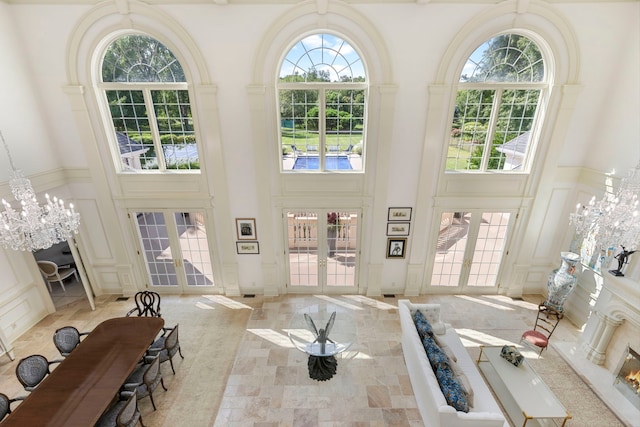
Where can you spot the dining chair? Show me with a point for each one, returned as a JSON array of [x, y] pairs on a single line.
[[52, 273], [124, 413], [66, 339], [165, 347], [5, 404], [546, 322], [144, 380], [33, 369], [147, 304]]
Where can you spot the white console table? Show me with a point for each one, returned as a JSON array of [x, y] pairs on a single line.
[[527, 400]]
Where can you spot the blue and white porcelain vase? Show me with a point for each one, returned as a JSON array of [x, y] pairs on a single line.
[[562, 281]]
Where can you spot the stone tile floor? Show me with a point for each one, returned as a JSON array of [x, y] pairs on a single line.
[[240, 368]]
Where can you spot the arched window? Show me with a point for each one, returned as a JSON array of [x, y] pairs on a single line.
[[146, 91], [322, 94], [497, 106]]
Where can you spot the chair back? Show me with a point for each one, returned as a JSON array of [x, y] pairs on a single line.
[[171, 341], [66, 339], [129, 414], [147, 304], [4, 405], [152, 375], [48, 268], [31, 371], [547, 321]]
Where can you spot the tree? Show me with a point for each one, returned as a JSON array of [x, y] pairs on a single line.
[[139, 58], [509, 58]]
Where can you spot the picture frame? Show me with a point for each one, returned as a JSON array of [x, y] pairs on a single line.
[[396, 248], [244, 248], [246, 229], [398, 228], [399, 214]]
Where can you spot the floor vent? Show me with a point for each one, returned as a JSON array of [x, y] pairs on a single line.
[[122, 299], [517, 299], [249, 295], [389, 295]]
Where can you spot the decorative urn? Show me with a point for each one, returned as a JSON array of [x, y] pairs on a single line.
[[562, 281]]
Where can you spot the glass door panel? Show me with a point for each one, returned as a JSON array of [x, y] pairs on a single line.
[[489, 248], [175, 249], [156, 249], [342, 232], [194, 247], [322, 250], [450, 248], [303, 249], [469, 249]]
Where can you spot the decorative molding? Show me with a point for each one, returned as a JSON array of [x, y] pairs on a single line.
[[285, 2]]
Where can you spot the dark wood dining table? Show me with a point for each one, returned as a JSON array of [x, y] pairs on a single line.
[[82, 386]]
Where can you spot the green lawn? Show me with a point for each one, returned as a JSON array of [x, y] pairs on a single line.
[[456, 156]]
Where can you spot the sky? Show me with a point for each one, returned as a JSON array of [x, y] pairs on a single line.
[[323, 52]]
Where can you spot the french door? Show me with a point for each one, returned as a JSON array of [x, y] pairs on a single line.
[[322, 250], [176, 250], [469, 250]]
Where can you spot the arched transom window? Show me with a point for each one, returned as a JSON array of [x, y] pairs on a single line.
[[146, 91], [497, 107], [322, 94]]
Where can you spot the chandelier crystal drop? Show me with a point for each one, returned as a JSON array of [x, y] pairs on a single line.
[[614, 220], [32, 226]]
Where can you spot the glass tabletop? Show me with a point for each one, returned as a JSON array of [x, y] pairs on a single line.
[[323, 329]]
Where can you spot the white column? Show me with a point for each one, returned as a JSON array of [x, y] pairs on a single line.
[[596, 347]]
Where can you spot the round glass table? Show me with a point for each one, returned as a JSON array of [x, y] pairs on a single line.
[[323, 331]]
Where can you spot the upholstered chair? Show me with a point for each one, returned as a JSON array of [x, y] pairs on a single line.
[[66, 339], [5, 404], [33, 369], [124, 413], [166, 346], [144, 380], [546, 322], [147, 304]]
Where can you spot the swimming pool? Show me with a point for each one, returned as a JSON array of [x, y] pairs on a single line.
[[331, 163]]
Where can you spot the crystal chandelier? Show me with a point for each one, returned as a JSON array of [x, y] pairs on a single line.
[[34, 227], [614, 220]]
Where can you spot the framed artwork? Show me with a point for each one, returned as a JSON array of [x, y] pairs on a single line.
[[399, 214], [247, 247], [398, 228], [246, 229], [396, 248]]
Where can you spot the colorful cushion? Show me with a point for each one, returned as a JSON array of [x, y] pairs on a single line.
[[431, 312], [422, 325], [443, 345], [451, 389], [536, 338], [435, 354], [464, 382]]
